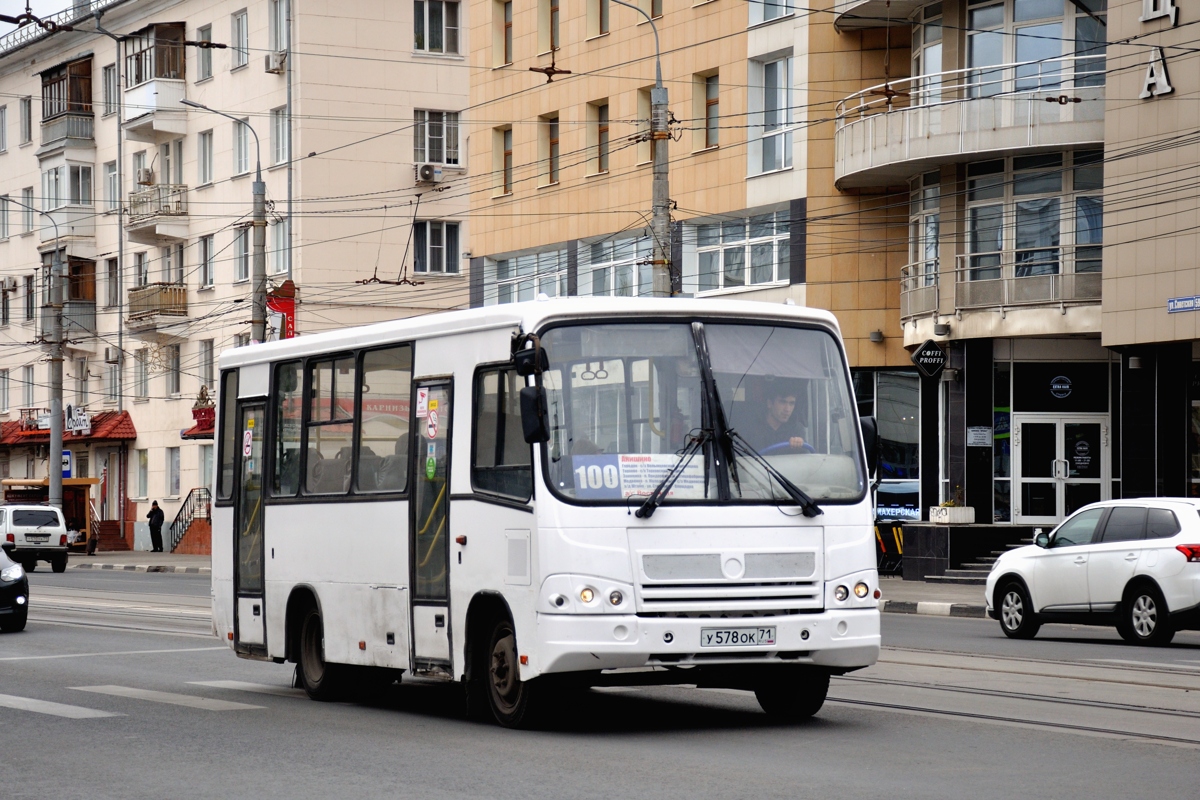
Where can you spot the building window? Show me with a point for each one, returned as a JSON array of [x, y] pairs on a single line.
[[502, 159], [81, 382], [206, 467], [277, 11], [139, 164], [154, 52], [26, 120], [27, 209], [4, 389], [112, 187], [617, 268], [52, 189], [208, 256], [112, 89], [239, 40], [279, 247], [550, 150], [771, 139], [764, 10], [171, 159], [893, 397], [435, 137], [3, 216], [600, 113], [524, 277], [924, 230], [3, 129], [69, 184], [241, 340], [113, 285], [112, 382], [241, 147], [743, 252], [436, 247], [141, 374], [141, 269], [207, 363], [30, 297], [204, 55], [506, 33], [711, 85], [174, 368], [279, 135], [435, 26], [143, 473], [645, 146], [27, 386], [547, 22], [5, 308], [927, 54], [204, 158], [241, 254], [656, 8], [555, 40]]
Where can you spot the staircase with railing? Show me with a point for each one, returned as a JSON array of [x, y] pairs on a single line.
[[196, 507]]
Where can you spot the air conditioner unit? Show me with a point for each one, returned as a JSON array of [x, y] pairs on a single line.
[[429, 173], [9, 284], [273, 63], [145, 176], [112, 355]]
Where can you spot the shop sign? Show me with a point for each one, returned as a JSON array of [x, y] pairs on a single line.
[[78, 421], [1157, 82], [930, 359], [1060, 387]]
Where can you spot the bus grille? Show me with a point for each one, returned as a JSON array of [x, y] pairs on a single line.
[[732, 599]]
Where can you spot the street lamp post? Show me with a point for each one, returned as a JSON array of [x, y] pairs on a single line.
[[660, 202], [258, 318], [54, 461]]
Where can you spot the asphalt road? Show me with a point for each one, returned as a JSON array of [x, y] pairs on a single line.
[[148, 709]]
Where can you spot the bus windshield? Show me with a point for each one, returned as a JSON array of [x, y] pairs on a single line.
[[626, 398]]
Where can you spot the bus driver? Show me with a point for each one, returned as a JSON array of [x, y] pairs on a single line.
[[779, 429]]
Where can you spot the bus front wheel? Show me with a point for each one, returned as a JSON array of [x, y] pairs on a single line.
[[795, 697], [497, 673], [320, 679]]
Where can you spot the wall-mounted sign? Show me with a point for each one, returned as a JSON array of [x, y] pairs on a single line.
[[979, 436], [1060, 387], [1157, 82], [930, 359], [1177, 304], [67, 463], [1159, 9]]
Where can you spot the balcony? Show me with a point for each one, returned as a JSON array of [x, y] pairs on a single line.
[[68, 130], [1007, 279], [155, 305], [158, 214], [152, 110], [918, 289], [886, 134], [857, 14]]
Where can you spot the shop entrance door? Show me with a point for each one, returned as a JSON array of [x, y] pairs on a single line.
[[1060, 464]]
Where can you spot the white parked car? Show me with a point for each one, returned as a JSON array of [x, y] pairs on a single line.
[[1134, 564], [35, 532]]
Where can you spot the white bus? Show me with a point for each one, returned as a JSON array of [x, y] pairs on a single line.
[[580, 491]]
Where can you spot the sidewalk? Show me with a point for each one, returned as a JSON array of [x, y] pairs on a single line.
[[142, 561], [938, 599]]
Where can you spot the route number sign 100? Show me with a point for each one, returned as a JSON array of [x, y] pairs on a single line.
[[595, 477]]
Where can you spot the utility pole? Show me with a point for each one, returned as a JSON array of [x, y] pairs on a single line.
[[660, 201], [258, 278]]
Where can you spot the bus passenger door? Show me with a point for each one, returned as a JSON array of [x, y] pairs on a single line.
[[429, 545], [249, 624]]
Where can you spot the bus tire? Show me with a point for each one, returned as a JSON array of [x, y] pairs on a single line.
[[497, 677], [794, 697], [319, 679]]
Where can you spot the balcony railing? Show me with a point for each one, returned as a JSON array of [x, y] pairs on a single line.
[[164, 199], [167, 299], [951, 115], [918, 289], [1056, 275], [68, 126]]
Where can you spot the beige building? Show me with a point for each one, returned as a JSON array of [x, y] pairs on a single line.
[[356, 109], [561, 172]]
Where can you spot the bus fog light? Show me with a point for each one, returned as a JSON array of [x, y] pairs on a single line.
[[804, 635], [861, 590], [587, 594], [557, 600], [616, 598], [841, 593]]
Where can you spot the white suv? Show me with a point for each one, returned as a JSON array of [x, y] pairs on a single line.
[[1130, 563], [35, 532]]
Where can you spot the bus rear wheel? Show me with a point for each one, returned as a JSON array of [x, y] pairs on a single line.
[[794, 697], [319, 679], [497, 675]]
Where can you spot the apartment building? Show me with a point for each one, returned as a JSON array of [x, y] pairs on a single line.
[[352, 110], [1049, 155], [561, 172]]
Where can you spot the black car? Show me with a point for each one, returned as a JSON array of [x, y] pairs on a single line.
[[14, 594]]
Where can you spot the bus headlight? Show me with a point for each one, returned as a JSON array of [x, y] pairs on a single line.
[[841, 593], [615, 597], [587, 594], [861, 590]]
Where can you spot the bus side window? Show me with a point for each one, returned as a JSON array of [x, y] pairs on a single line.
[[501, 461], [330, 426], [287, 408], [383, 430], [229, 434]]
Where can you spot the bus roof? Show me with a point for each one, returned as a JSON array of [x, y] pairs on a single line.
[[527, 316]]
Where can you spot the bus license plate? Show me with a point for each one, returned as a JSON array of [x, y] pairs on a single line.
[[736, 637]]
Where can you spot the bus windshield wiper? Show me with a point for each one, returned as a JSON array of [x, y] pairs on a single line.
[[664, 486], [741, 447]]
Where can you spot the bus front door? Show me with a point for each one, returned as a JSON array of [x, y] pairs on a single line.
[[249, 613], [429, 525]]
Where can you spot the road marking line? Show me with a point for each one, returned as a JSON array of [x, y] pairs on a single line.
[[170, 698], [54, 709], [244, 686], [112, 653], [1152, 664]]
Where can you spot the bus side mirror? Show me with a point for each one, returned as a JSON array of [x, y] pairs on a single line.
[[870, 434], [531, 361], [534, 415]]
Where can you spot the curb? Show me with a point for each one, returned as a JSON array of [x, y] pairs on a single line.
[[935, 609], [145, 568]]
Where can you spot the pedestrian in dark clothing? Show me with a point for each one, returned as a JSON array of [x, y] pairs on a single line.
[[156, 522]]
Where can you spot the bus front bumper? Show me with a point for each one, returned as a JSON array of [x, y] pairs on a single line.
[[840, 639]]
